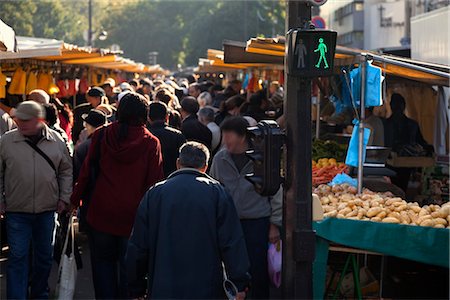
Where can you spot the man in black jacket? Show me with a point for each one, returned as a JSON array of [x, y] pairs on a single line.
[[191, 127], [170, 138], [186, 229]]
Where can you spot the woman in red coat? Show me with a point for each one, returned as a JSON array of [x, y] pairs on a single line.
[[123, 162]]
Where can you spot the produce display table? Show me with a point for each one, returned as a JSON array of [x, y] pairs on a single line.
[[422, 244]]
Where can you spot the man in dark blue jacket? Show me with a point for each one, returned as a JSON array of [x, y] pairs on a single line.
[[186, 230]]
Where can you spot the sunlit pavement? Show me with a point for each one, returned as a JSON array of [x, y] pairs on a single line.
[[84, 288]]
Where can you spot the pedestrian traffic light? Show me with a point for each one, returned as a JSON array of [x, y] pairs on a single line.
[[311, 52], [266, 140]]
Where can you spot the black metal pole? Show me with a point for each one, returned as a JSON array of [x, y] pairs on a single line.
[[89, 39], [298, 252]]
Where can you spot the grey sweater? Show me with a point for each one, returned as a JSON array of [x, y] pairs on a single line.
[[249, 204]]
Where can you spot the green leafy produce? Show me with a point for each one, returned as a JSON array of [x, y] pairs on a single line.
[[328, 149]]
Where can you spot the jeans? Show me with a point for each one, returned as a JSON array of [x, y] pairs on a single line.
[[108, 264], [256, 234], [24, 229]]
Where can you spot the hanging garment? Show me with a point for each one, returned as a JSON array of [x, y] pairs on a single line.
[[18, 82], [44, 80], [83, 86], [2, 85], [31, 82], [441, 121], [62, 85], [72, 90], [373, 88]]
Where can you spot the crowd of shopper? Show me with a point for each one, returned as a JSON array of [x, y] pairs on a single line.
[[138, 154]]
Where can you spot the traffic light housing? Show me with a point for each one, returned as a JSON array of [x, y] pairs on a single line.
[[311, 52], [266, 147]]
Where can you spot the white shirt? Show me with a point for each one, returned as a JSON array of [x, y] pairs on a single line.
[[216, 135]]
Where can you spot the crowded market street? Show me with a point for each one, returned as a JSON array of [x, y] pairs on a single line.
[[217, 149]]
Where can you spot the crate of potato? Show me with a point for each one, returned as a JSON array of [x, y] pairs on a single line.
[[325, 169], [342, 201]]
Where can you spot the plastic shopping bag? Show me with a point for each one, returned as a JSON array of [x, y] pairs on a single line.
[[352, 153], [67, 268], [274, 263]]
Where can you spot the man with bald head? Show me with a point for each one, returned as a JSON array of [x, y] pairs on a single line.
[[39, 96]]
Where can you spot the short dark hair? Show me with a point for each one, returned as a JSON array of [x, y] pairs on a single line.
[[163, 96], [175, 119], [196, 86], [194, 155], [190, 105], [398, 103], [51, 113], [133, 109], [157, 111], [207, 113], [237, 125]]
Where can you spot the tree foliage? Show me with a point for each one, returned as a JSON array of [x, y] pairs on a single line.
[[180, 31]]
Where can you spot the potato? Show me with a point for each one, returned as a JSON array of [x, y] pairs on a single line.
[[427, 222], [342, 206], [415, 208], [330, 214], [440, 221], [376, 219], [395, 215], [344, 211], [405, 217], [340, 216], [375, 203], [444, 212], [427, 208], [423, 212], [413, 217], [373, 211], [423, 218], [367, 197], [439, 226], [358, 202], [392, 200], [400, 208], [325, 200], [353, 218], [362, 212], [353, 213], [435, 214], [328, 208], [434, 207], [381, 214], [399, 203], [390, 220], [346, 197]]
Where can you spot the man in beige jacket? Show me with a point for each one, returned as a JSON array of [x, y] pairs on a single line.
[[35, 181]]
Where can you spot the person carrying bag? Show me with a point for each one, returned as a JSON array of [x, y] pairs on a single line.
[[67, 271]]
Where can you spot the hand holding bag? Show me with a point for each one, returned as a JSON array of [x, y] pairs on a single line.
[[67, 271]]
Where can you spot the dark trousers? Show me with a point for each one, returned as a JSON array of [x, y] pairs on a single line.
[[25, 229], [256, 233], [108, 264]]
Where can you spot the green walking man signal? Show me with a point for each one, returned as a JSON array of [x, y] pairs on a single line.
[[311, 52], [322, 49]]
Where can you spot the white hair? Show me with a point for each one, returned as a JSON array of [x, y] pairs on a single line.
[[204, 99]]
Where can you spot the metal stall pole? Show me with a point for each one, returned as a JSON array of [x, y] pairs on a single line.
[[362, 115], [298, 236], [318, 116]]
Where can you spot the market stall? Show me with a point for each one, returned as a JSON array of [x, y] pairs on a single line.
[[371, 223], [63, 69]]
